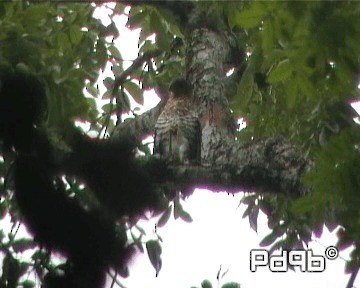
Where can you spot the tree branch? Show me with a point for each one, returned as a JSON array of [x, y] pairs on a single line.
[[269, 166], [119, 80], [137, 128]]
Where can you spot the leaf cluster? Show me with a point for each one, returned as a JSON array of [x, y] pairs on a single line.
[[301, 76], [303, 61], [61, 43]]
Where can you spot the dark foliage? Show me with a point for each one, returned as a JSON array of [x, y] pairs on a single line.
[[22, 105], [58, 222], [119, 181]]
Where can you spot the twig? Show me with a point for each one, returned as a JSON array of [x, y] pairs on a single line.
[[119, 80]]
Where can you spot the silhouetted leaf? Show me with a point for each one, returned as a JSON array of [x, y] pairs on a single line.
[[206, 284], [165, 217], [135, 92], [231, 285], [185, 216], [23, 244], [250, 17], [269, 239], [115, 52], [253, 216], [154, 250]]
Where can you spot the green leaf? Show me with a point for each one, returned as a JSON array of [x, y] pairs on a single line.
[[63, 41], [135, 92], [177, 207], [305, 204], [253, 216], [137, 18], [124, 102], [109, 83], [91, 103], [101, 53], [163, 42], [206, 284], [11, 271], [268, 37], [185, 216], [114, 51], [231, 285], [28, 284], [248, 200], [75, 34], [245, 87], [156, 24], [292, 93], [108, 108], [93, 91], [141, 230], [154, 250], [3, 209], [265, 207], [36, 15], [107, 95], [148, 46], [165, 217], [268, 239], [23, 244], [145, 33], [111, 30], [282, 243], [282, 72], [247, 211], [251, 17], [117, 70], [170, 22]]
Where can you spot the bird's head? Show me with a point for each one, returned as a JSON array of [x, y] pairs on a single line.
[[180, 88]]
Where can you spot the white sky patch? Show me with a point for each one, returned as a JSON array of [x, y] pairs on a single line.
[[356, 106], [332, 64], [218, 237], [241, 123], [230, 72]]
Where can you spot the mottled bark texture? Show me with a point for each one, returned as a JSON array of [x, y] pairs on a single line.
[[269, 165]]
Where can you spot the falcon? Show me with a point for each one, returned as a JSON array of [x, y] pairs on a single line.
[[177, 130]]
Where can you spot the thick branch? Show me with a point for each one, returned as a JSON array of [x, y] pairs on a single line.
[[137, 128], [270, 166]]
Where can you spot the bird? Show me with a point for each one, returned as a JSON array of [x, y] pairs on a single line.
[[177, 130]]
